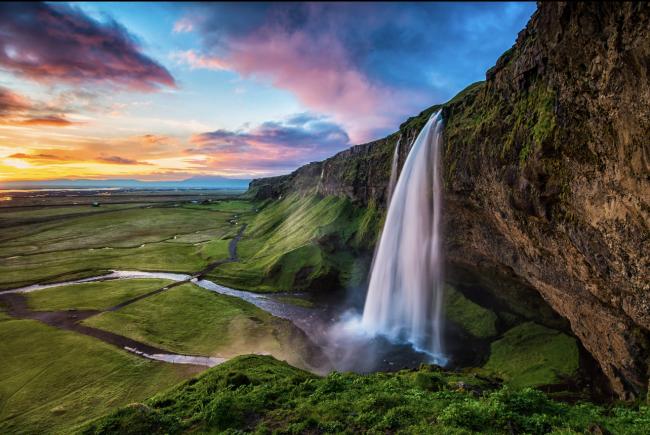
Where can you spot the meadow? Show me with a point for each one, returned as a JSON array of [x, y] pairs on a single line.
[[92, 295], [53, 380], [191, 320], [65, 244]]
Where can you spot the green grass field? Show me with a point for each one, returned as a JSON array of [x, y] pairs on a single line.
[[92, 295], [190, 320], [52, 380], [120, 229], [17, 215], [160, 238], [227, 206], [288, 245]]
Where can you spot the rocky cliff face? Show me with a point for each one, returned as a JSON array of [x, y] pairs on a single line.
[[547, 180]]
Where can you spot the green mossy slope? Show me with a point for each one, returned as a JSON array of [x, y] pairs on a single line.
[[302, 242]]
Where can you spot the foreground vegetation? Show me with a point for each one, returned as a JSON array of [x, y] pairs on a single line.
[[262, 395]]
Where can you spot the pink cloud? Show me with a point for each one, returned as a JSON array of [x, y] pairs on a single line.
[[196, 61], [318, 70], [271, 147], [183, 25], [54, 43]]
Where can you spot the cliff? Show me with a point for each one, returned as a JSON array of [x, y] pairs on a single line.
[[547, 186]]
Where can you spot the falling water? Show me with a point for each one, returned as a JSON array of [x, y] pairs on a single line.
[[404, 301], [393, 170]]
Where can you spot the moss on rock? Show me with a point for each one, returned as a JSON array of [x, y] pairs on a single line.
[[472, 318], [531, 355]]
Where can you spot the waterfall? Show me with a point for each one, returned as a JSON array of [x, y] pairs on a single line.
[[393, 170], [405, 295]]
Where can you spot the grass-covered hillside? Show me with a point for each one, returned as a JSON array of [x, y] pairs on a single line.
[[262, 395], [302, 242]]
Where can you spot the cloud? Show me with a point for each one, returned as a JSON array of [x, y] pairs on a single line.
[[301, 131], [40, 156], [369, 65], [198, 61], [54, 43], [20, 111], [272, 146], [183, 25], [50, 121], [152, 139], [117, 160], [10, 102]]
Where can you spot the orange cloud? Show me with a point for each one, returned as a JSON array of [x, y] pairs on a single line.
[[117, 160], [24, 156], [50, 121], [20, 111]]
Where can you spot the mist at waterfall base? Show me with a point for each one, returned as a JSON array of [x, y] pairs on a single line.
[[402, 321]]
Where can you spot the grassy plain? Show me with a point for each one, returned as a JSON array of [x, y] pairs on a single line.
[[91, 295], [191, 320], [155, 237], [52, 380], [18, 215]]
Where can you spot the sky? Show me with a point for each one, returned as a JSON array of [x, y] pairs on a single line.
[[167, 91]]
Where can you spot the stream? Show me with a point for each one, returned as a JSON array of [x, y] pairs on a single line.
[[347, 351]]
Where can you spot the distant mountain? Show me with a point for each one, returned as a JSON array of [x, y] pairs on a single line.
[[200, 182]]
